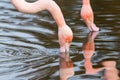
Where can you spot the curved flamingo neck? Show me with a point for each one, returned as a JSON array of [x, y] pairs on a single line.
[[40, 5], [26, 7], [57, 14], [86, 2]]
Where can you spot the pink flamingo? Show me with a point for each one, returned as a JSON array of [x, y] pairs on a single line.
[[65, 34], [88, 16]]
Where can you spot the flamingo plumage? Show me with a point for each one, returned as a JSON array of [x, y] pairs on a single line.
[[88, 16], [65, 34]]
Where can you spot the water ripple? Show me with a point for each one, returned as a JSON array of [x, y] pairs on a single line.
[[29, 45]]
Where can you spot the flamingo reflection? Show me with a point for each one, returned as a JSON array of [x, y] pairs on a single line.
[[88, 51], [66, 66], [89, 45], [109, 66], [111, 72]]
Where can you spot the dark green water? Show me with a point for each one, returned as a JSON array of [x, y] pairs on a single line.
[[29, 48]]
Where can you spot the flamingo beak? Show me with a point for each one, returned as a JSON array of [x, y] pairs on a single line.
[[65, 48]]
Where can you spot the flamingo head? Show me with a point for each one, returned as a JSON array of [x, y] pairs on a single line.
[[65, 36]]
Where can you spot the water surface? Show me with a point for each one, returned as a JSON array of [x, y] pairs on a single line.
[[29, 48]]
